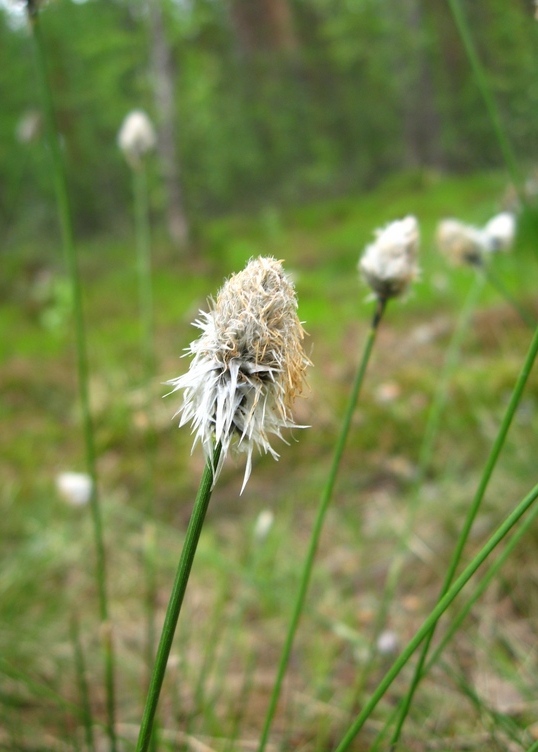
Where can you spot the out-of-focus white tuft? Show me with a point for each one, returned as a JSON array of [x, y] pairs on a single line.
[[136, 137], [74, 488], [390, 263]]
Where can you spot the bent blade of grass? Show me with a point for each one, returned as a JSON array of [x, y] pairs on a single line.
[[493, 570], [489, 467], [318, 524], [71, 259], [434, 616], [464, 612]]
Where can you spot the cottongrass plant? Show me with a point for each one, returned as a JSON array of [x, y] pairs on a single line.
[[388, 265], [71, 260], [137, 139], [464, 244], [424, 460], [247, 368]]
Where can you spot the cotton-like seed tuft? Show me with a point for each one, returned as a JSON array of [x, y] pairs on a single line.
[[390, 263], [248, 364], [500, 232], [74, 488], [461, 243], [136, 137]]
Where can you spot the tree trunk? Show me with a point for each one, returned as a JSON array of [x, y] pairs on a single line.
[[163, 78], [421, 121], [264, 26]]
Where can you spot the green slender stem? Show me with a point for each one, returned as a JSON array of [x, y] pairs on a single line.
[[441, 606], [318, 524], [495, 282], [145, 305], [471, 516], [493, 570], [64, 213], [533, 747], [433, 422], [145, 286], [179, 587], [481, 80], [464, 612], [80, 668]]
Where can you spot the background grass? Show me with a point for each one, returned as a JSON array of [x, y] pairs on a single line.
[[239, 597]]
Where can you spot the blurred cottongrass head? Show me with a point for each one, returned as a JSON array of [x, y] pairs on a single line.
[[500, 232], [262, 526], [390, 263], [461, 243], [136, 137], [74, 488], [248, 364]]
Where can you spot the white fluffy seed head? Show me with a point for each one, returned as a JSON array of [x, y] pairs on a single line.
[[74, 488], [500, 232], [248, 364], [461, 243], [390, 263], [136, 137]]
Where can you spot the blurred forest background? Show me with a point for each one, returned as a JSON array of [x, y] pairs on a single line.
[[258, 101]]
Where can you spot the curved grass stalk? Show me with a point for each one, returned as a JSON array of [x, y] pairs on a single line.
[[471, 516], [432, 619], [71, 259], [179, 587], [318, 525]]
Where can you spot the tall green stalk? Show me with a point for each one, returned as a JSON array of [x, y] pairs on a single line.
[[71, 259], [463, 613], [179, 587], [484, 583], [432, 619], [145, 306], [495, 282], [482, 83], [471, 516], [318, 524], [80, 668]]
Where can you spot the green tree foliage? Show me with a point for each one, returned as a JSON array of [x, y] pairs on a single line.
[[276, 101]]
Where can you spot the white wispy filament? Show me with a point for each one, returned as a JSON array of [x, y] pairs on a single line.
[[248, 364]]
